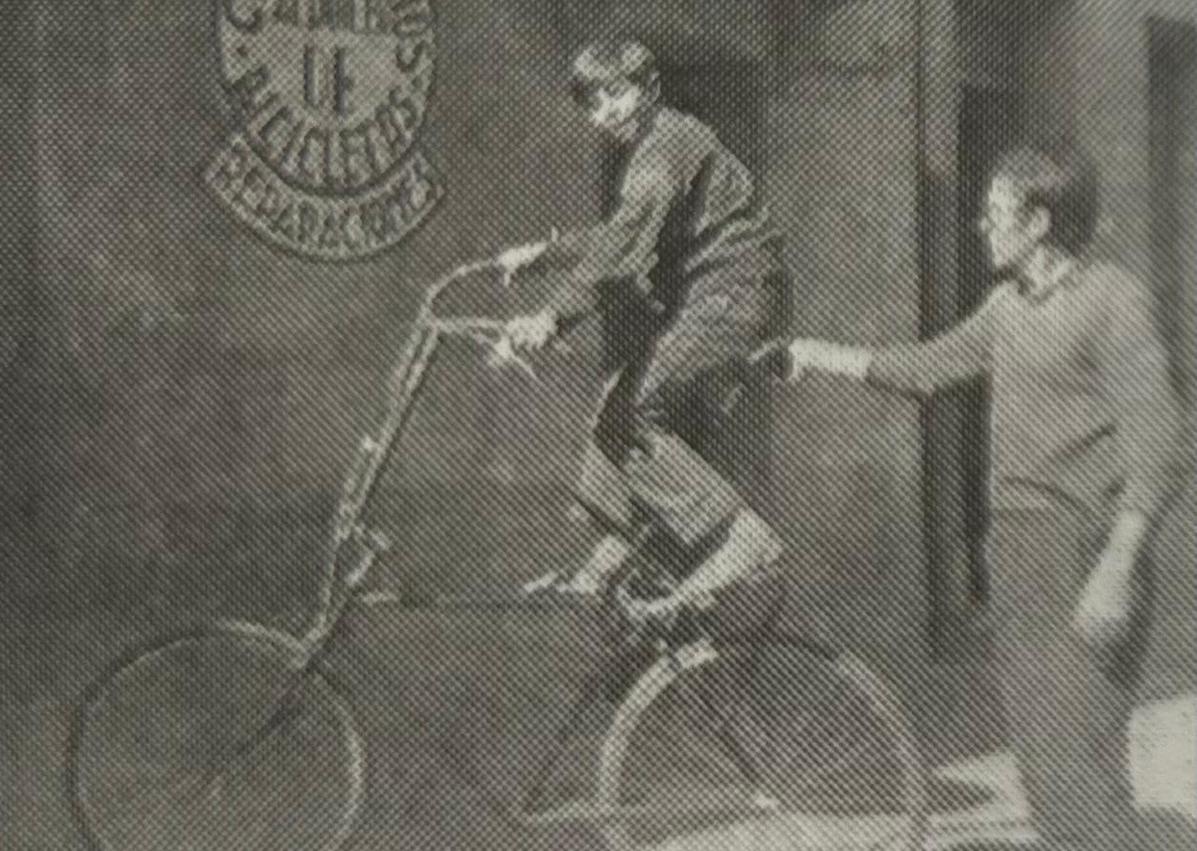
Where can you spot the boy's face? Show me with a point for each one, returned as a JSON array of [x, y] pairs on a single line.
[[615, 108]]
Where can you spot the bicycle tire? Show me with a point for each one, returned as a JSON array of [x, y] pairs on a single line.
[[153, 760], [682, 812]]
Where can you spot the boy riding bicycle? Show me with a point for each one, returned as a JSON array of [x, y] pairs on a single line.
[[691, 237]]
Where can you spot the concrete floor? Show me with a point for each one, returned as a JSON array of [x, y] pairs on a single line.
[[496, 705], [1163, 772], [430, 689]]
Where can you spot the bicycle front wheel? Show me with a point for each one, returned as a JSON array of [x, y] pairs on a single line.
[[214, 741], [778, 747]]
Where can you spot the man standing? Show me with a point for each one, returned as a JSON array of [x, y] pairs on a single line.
[[1087, 449]]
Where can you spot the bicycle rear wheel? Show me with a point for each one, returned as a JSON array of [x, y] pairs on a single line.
[[202, 743], [779, 747]]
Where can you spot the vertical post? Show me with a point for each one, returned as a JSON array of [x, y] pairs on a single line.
[[936, 98], [1172, 140]]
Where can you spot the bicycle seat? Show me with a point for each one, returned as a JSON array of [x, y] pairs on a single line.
[[772, 360]]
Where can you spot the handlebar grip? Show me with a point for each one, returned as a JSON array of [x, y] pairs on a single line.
[[376, 542]]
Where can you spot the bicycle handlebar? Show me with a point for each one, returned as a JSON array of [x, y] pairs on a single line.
[[404, 384], [486, 331], [507, 261]]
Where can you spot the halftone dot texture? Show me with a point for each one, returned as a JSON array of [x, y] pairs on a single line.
[[182, 398]]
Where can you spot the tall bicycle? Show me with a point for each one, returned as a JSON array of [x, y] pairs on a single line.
[[206, 740]]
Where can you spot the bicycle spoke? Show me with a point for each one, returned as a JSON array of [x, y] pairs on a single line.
[[821, 761], [190, 746]]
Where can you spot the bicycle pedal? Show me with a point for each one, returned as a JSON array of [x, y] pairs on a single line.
[[316, 633], [766, 801], [541, 584], [379, 598]]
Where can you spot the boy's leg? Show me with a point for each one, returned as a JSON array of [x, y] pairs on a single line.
[[602, 491], [688, 377], [604, 501]]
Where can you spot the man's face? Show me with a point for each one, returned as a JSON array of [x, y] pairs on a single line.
[[615, 109], [1006, 226]]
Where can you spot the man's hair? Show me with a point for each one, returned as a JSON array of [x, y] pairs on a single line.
[[1062, 179], [603, 62]]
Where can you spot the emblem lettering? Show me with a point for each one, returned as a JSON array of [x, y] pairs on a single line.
[[329, 97]]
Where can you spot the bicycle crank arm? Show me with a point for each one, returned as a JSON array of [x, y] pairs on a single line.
[[502, 601], [747, 804]]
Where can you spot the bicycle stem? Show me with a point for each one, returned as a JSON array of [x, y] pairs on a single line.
[[373, 453], [372, 456]]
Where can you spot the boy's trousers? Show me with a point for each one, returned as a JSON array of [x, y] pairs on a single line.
[[660, 443]]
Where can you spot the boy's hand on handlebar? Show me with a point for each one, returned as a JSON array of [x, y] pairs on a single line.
[[521, 255], [532, 332], [514, 259]]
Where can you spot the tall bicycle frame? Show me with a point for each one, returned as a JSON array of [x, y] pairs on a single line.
[[222, 773]]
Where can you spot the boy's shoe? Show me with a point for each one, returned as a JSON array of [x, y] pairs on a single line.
[[750, 547], [591, 579], [607, 557]]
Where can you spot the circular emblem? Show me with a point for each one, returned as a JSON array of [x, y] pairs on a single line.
[[329, 97]]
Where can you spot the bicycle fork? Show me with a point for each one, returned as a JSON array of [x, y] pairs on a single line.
[[286, 707], [548, 764]]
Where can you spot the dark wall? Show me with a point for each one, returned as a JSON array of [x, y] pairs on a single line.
[[842, 182], [204, 390], [18, 279], [201, 378]]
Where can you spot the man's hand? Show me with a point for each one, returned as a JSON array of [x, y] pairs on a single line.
[[1103, 614], [791, 362], [532, 332], [774, 359], [838, 359]]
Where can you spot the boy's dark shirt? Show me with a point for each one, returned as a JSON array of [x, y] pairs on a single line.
[[688, 210]]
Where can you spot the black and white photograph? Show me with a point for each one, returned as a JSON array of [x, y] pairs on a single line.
[[598, 425]]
